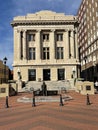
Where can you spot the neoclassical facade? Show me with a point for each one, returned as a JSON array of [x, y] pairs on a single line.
[[45, 46]]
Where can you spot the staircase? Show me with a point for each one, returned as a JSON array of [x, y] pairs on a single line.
[[51, 85]]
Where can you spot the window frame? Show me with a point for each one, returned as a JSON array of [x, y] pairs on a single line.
[[60, 53], [46, 53], [32, 53]]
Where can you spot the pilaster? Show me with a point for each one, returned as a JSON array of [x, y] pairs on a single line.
[[66, 44], [18, 44], [24, 44], [52, 44], [72, 43], [38, 42], [76, 45]]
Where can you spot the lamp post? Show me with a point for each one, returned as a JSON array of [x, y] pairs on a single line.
[[4, 61], [18, 72], [73, 71], [85, 59]]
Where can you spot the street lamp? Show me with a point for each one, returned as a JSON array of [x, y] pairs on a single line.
[[73, 70], [85, 59], [19, 75], [4, 61]]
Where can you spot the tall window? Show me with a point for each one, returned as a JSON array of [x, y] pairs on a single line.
[[46, 53], [61, 74], [60, 37], [59, 52], [32, 75], [31, 37], [45, 37], [32, 55]]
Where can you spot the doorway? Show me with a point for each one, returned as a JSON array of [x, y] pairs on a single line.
[[46, 74], [61, 74]]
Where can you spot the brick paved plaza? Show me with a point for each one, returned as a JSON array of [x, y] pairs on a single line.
[[74, 115]]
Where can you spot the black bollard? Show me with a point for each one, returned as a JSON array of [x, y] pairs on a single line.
[[6, 104], [33, 102], [61, 101], [88, 100]]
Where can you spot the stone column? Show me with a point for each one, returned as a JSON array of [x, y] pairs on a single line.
[[72, 43], [69, 46], [76, 45], [52, 45], [24, 45], [19, 44], [66, 44], [38, 47]]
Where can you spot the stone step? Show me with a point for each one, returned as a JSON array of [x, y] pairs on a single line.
[[51, 85]]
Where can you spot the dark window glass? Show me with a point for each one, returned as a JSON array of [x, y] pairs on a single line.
[[45, 37], [32, 75], [61, 74], [31, 37], [46, 53], [59, 37], [59, 52], [32, 54]]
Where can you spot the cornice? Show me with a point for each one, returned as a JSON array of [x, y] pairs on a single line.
[[42, 22]]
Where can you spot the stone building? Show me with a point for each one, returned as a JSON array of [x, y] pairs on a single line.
[[45, 46], [88, 38]]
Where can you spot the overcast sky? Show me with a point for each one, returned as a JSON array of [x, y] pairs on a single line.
[[12, 8]]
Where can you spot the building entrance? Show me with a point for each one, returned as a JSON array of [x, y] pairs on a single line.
[[61, 74], [46, 74]]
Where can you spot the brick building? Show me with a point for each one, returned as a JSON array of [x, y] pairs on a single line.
[[88, 39], [4, 72]]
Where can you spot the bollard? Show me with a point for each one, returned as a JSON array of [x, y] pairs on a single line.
[[61, 101], [88, 100], [33, 102], [6, 105]]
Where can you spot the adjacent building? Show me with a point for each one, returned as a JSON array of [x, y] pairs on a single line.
[[88, 39], [45, 47], [4, 72]]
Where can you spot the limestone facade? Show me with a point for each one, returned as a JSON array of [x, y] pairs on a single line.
[[45, 46]]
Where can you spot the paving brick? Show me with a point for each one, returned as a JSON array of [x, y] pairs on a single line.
[[74, 115]]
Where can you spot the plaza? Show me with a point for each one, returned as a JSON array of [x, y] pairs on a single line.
[[74, 115], [55, 68]]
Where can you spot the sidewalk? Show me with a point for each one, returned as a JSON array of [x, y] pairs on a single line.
[[74, 115]]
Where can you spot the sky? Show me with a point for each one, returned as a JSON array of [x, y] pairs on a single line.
[[12, 8]]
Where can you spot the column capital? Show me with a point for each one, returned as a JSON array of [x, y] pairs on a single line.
[[21, 30], [71, 30], [38, 30], [52, 30], [24, 30], [66, 30]]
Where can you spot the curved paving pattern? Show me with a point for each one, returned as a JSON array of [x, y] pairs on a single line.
[[27, 99], [74, 115]]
